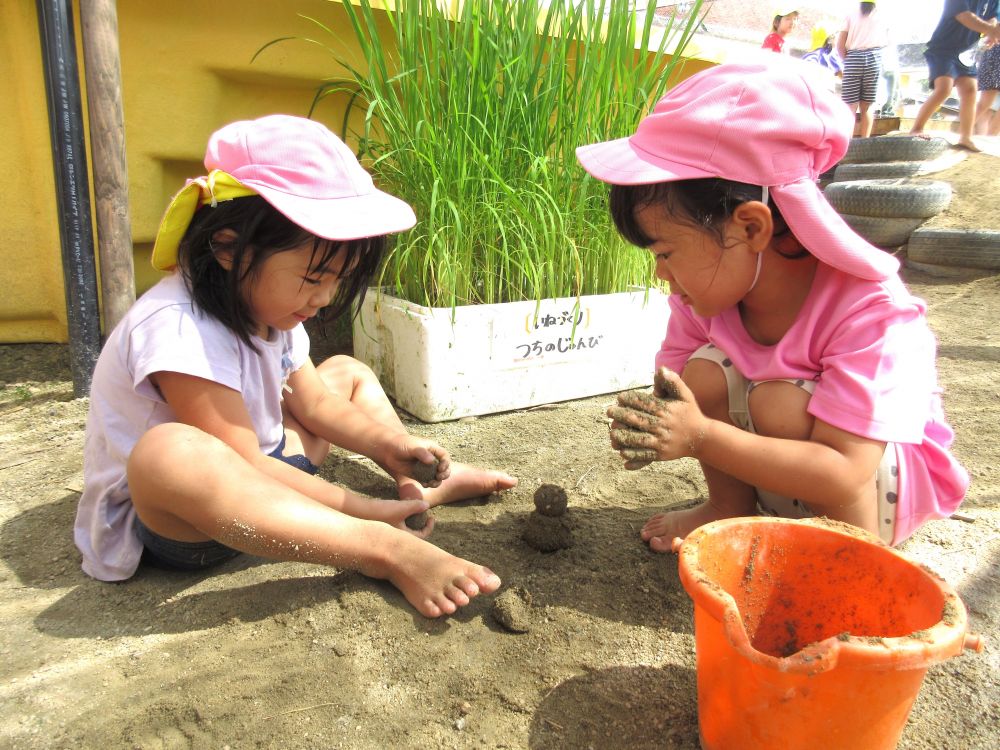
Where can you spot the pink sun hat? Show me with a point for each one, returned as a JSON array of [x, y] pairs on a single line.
[[764, 122], [300, 168]]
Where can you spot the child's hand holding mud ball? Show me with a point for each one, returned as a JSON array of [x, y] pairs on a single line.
[[430, 473], [657, 426]]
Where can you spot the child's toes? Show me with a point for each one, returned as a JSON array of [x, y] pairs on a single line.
[[661, 544], [486, 581], [445, 604], [469, 587], [457, 596], [655, 526]]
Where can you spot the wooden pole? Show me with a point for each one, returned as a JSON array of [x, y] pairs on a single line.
[[99, 22]]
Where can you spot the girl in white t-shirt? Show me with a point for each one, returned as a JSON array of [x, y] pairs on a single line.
[[208, 420]]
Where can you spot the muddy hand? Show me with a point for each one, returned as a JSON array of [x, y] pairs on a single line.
[[665, 385], [423, 461], [648, 427]]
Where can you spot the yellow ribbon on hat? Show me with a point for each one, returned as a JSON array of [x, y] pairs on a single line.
[[210, 190]]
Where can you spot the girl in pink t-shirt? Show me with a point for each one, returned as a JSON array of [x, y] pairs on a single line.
[[796, 368]]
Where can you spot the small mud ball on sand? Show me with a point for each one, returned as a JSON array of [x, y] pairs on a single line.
[[547, 534], [550, 500], [417, 521], [424, 473], [512, 609]]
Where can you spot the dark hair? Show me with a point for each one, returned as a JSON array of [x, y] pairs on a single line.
[[778, 17], [867, 8], [705, 204], [261, 231]]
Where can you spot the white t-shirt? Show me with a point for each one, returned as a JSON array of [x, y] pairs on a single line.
[[865, 32], [163, 331]]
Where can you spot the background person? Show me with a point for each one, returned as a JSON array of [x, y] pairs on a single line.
[[781, 26], [951, 62], [823, 52], [860, 44], [988, 118]]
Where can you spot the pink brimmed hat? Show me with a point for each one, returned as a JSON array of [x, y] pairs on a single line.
[[299, 167], [767, 123]]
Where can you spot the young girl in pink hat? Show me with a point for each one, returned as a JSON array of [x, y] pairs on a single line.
[[208, 420], [796, 367]]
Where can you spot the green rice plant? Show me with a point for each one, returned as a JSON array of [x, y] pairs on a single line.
[[473, 117]]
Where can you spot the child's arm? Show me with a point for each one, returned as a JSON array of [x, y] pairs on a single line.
[[220, 411], [337, 420], [829, 469]]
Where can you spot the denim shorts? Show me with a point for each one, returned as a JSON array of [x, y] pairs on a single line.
[[162, 552], [947, 65]]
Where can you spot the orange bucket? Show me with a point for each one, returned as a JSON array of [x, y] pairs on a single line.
[[811, 633]]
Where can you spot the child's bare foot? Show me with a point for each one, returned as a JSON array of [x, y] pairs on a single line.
[[969, 145], [464, 482], [435, 582], [661, 529]]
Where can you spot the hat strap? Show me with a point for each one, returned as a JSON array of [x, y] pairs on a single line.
[[764, 194]]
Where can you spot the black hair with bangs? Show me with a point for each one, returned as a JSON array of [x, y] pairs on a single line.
[[262, 231], [705, 204]]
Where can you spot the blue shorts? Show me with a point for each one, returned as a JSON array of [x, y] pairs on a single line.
[[939, 64], [162, 552]]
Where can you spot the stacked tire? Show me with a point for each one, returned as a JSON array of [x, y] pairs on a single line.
[[876, 192]]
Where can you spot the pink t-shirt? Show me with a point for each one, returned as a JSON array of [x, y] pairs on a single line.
[[869, 349]]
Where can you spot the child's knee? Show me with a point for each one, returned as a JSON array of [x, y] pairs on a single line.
[[169, 445], [778, 409], [707, 382]]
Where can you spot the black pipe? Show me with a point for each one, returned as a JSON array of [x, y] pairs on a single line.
[[69, 160]]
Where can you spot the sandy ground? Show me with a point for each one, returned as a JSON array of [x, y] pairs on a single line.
[[279, 655]]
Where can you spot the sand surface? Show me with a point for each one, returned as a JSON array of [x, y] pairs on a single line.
[[279, 655]]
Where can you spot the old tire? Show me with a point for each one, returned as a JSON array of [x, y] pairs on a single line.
[[955, 247], [894, 148], [876, 170], [902, 198], [882, 231]]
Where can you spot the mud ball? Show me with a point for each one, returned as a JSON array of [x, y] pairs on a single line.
[[512, 609], [417, 521], [424, 473], [547, 533], [550, 500]]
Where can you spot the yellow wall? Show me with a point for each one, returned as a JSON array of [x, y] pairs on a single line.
[[186, 71]]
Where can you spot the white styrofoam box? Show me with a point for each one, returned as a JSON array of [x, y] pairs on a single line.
[[447, 363]]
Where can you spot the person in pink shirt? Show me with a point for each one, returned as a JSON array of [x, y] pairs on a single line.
[[797, 368]]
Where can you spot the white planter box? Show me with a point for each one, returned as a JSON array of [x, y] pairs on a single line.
[[447, 363]]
